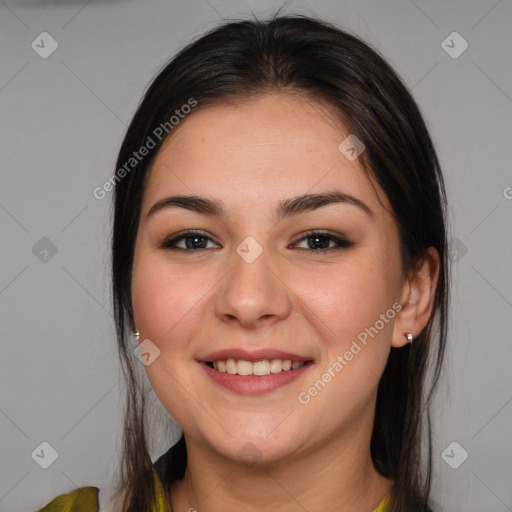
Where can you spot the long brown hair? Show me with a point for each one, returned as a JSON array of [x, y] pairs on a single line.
[[296, 53]]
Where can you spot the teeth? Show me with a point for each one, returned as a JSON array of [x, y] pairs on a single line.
[[276, 366], [264, 367], [231, 366], [244, 367], [259, 367]]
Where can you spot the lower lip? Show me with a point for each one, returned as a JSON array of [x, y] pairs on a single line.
[[253, 384]]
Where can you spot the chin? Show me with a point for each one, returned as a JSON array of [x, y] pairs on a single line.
[[252, 450]]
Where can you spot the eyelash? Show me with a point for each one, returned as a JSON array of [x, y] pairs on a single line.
[[170, 243]]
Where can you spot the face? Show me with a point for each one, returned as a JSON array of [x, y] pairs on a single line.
[[252, 277]]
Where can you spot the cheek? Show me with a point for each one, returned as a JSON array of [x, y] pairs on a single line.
[[346, 310], [352, 297], [164, 298], [166, 310]]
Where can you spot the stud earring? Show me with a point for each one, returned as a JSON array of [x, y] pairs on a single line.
[[409, 337], [136, 335]]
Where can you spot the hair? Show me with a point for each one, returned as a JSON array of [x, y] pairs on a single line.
[[297, 54]]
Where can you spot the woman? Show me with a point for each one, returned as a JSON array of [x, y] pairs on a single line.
[[279, 251]]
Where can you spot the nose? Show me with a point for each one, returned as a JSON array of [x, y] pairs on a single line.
[[254, 293]]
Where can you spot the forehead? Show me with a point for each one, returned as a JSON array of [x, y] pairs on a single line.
[[264, 149]]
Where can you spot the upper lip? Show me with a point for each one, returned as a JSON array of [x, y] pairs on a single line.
[[254, 355]]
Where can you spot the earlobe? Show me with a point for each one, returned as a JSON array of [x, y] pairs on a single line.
[[417, 298]]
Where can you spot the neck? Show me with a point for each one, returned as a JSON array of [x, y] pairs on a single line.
[[339, 470]]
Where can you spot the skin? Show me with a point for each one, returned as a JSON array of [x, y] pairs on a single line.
[[251, 155]]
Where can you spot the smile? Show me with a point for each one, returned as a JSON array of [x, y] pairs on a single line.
[[260, 368], [254, 377]]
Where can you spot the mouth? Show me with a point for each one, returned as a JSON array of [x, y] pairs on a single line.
[[245, 377], [259, 368]]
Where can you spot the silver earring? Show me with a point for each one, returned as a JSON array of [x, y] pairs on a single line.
[[409, 337], [136, 335]]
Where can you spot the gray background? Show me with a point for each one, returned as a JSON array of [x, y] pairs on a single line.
[[63, 121]]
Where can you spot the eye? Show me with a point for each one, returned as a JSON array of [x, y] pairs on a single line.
[[321, 241], [192, 240], [198, 240]]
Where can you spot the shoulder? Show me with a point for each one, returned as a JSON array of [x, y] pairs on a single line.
[[88, 499], [83, 498]]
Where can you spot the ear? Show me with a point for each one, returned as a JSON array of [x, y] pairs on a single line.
[[417, 298]]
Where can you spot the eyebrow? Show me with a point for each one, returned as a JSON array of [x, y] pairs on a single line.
[[286, 208]]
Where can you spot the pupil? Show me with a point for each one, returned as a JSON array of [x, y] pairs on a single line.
[[319, 245], [193, 240]]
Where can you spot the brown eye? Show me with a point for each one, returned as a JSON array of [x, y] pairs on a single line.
[[319, 241], [192, 239]]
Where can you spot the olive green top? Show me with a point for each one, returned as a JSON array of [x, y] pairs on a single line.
[[85, 499]]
